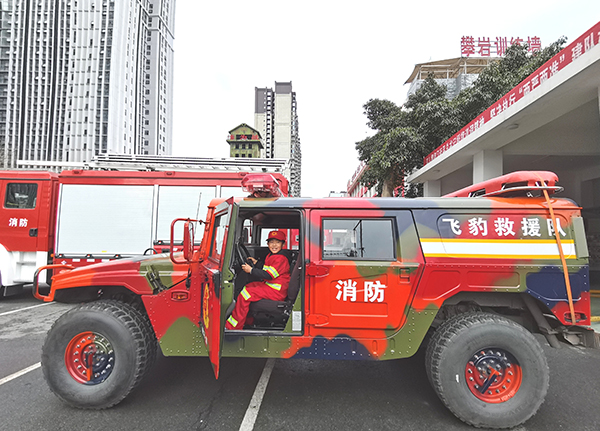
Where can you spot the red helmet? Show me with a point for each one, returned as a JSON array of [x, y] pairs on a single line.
[[276, 234]]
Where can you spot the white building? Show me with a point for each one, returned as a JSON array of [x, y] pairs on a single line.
[[80, 78], [276, 118], [455, 73]]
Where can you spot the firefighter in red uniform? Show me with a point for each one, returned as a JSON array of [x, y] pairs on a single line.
[[275, 278]]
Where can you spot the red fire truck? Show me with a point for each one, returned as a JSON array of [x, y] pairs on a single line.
[[80, 217]]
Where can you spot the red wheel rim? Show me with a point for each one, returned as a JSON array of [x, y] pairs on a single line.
[[493, 375], [89, 358]]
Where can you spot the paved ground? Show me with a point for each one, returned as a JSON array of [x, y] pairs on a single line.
[[596, 312], [596, 307], [182, 394]]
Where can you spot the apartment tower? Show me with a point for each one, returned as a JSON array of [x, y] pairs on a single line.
[[276, 118], [80, 78]]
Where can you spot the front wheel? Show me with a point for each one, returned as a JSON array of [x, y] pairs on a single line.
[[488, 370], [95, 354]]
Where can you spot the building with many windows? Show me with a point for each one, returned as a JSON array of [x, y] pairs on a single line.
[[79, 78], [276, 118], [245, 142]]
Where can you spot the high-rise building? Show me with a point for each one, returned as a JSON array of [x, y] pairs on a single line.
[[276, 118], [79, 78]]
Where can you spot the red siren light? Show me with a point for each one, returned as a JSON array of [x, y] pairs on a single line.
[[261, 186]]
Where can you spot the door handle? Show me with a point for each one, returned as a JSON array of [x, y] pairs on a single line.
[[33, 232], [317, 270], [317, 319], [404, 274]]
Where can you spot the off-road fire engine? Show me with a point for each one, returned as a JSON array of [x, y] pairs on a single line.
[[80, 217], [370, 278]]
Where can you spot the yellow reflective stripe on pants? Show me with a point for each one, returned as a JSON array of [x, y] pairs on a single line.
[[245, 294], [232, 321], [273, 285]]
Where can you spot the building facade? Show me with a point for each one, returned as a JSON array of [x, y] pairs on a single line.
[[79, 78], [354, 187], [550, 121], [276, 118], [455, 73], [245, 142]]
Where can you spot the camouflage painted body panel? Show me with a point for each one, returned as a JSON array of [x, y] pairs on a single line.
[[142, 275], [509, 248], [443, 247]]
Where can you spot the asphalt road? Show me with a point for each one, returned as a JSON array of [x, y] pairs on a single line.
[[182, 393]]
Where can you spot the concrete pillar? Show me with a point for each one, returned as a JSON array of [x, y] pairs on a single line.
[[432, 188], [487, 164]]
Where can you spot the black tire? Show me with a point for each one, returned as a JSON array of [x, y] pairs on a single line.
[[482, 341], [96, 354], [151, 341]]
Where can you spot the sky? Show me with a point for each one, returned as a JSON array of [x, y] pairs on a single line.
[[338, 55]]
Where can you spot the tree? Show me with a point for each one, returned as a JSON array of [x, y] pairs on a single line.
[[501, 77], [406, 134]]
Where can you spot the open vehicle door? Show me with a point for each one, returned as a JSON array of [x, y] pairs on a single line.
[[212, 323]]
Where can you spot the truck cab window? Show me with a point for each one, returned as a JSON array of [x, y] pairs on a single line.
[[358, 239], [20, 195]]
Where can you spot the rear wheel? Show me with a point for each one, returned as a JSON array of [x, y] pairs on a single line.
[[488, 370], [95, 354]]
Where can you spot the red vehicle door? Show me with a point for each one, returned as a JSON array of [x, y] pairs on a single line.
[[20, 213], [212, 321], [364, 266]]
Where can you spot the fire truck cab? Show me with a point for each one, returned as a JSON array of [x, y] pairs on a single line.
[[370, 279], [26, 219]]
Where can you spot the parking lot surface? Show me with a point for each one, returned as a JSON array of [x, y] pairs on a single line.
[[182, 393]]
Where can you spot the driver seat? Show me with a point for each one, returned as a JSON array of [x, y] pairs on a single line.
[[268, 312]]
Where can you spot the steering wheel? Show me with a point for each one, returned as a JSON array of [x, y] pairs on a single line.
[[242, 254], [150, 249]]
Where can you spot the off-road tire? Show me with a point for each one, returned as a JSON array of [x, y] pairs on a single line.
[[120, 327], [450, 354], [151, 341]]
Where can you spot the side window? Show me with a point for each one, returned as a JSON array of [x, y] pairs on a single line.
[[216, 249], [358, 239], [21, 195]]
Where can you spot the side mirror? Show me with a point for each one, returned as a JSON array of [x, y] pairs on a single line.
[[188, 240]]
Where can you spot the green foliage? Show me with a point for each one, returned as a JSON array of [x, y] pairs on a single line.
[[383, 115], [406, 134], [499, 78]]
